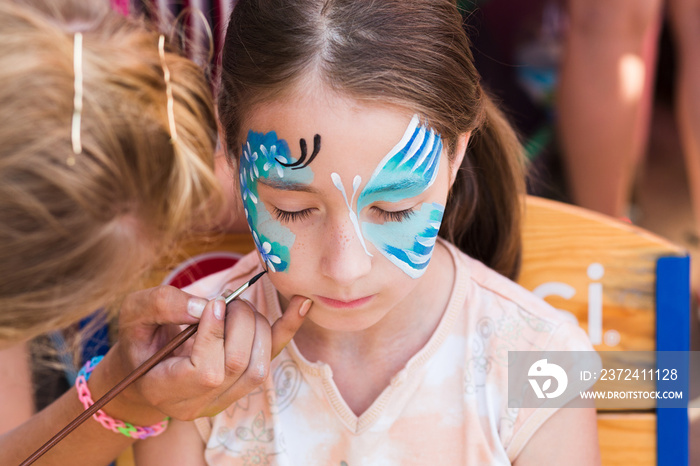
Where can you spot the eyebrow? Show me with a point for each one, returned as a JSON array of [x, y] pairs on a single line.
[[402, 185], [288, 186]]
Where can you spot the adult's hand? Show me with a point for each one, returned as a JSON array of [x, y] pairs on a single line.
[[227, 358]]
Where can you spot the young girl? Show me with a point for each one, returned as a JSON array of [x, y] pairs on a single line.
[[381, 182]]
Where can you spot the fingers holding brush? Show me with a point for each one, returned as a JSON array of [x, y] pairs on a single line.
[[226, 359], [228, 356], [148, 319], [250, 345], [144, 312], [184, 384], [206, 360], [246, 335]]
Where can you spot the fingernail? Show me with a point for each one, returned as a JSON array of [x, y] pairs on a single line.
[[305, 307], [195, 307], [219, 308]]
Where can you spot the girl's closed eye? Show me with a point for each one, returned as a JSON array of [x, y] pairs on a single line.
[[286, 216], [392, 216]]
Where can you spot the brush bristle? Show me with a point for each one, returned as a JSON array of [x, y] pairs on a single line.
[[255, 278]]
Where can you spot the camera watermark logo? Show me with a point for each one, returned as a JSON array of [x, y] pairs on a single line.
[[613, 380], [541, 369]]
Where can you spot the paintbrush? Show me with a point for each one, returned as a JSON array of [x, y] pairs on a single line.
[[157, 357]]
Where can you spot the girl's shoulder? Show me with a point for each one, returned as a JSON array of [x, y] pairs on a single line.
[[503, 309]]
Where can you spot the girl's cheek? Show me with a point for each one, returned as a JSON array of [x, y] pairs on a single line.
[[273, 239], [408, 244]]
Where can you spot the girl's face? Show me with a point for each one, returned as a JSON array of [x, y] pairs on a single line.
[[345, 202]]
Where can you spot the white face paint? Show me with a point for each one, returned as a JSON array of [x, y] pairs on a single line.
[[338, 183], [408, 170]]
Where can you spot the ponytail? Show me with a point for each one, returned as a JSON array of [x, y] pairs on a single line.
[[483, 213]]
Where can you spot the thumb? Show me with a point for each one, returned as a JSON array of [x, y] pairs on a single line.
[[160, 306], [285, 327]]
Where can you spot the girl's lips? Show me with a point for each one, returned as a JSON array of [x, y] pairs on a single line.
[[330, 302]]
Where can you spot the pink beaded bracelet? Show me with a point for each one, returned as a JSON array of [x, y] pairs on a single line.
[[115, 425]]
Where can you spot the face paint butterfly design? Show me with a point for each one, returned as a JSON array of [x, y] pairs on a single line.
[[266, 157], [408, 170]]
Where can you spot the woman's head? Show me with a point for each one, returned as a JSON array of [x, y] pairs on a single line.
[[75, 235], [404, 54]]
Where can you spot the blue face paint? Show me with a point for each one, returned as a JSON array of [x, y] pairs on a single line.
[[263, 157], [408, 170], [408, 244]]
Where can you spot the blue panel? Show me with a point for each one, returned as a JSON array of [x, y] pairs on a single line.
[[672, 334]]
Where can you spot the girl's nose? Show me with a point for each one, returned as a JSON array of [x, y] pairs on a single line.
[[345, 259]]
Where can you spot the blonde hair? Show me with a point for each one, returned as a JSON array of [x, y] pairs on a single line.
[[74, 237], [411, 53]]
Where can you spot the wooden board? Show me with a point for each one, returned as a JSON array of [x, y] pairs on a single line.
[[627, 439], [561, 242]]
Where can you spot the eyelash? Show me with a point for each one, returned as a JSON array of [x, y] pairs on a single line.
[[388, 216], [398, 216], [287, 217]]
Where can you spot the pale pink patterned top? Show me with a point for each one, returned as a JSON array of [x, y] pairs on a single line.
[[447, 406]]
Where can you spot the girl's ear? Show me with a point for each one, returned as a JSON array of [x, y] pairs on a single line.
[[460, 151]]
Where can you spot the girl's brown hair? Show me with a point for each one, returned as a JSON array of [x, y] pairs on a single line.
[[73, 237], [411, 53]]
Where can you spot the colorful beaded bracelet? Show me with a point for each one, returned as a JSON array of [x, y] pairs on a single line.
[[115, 425]]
